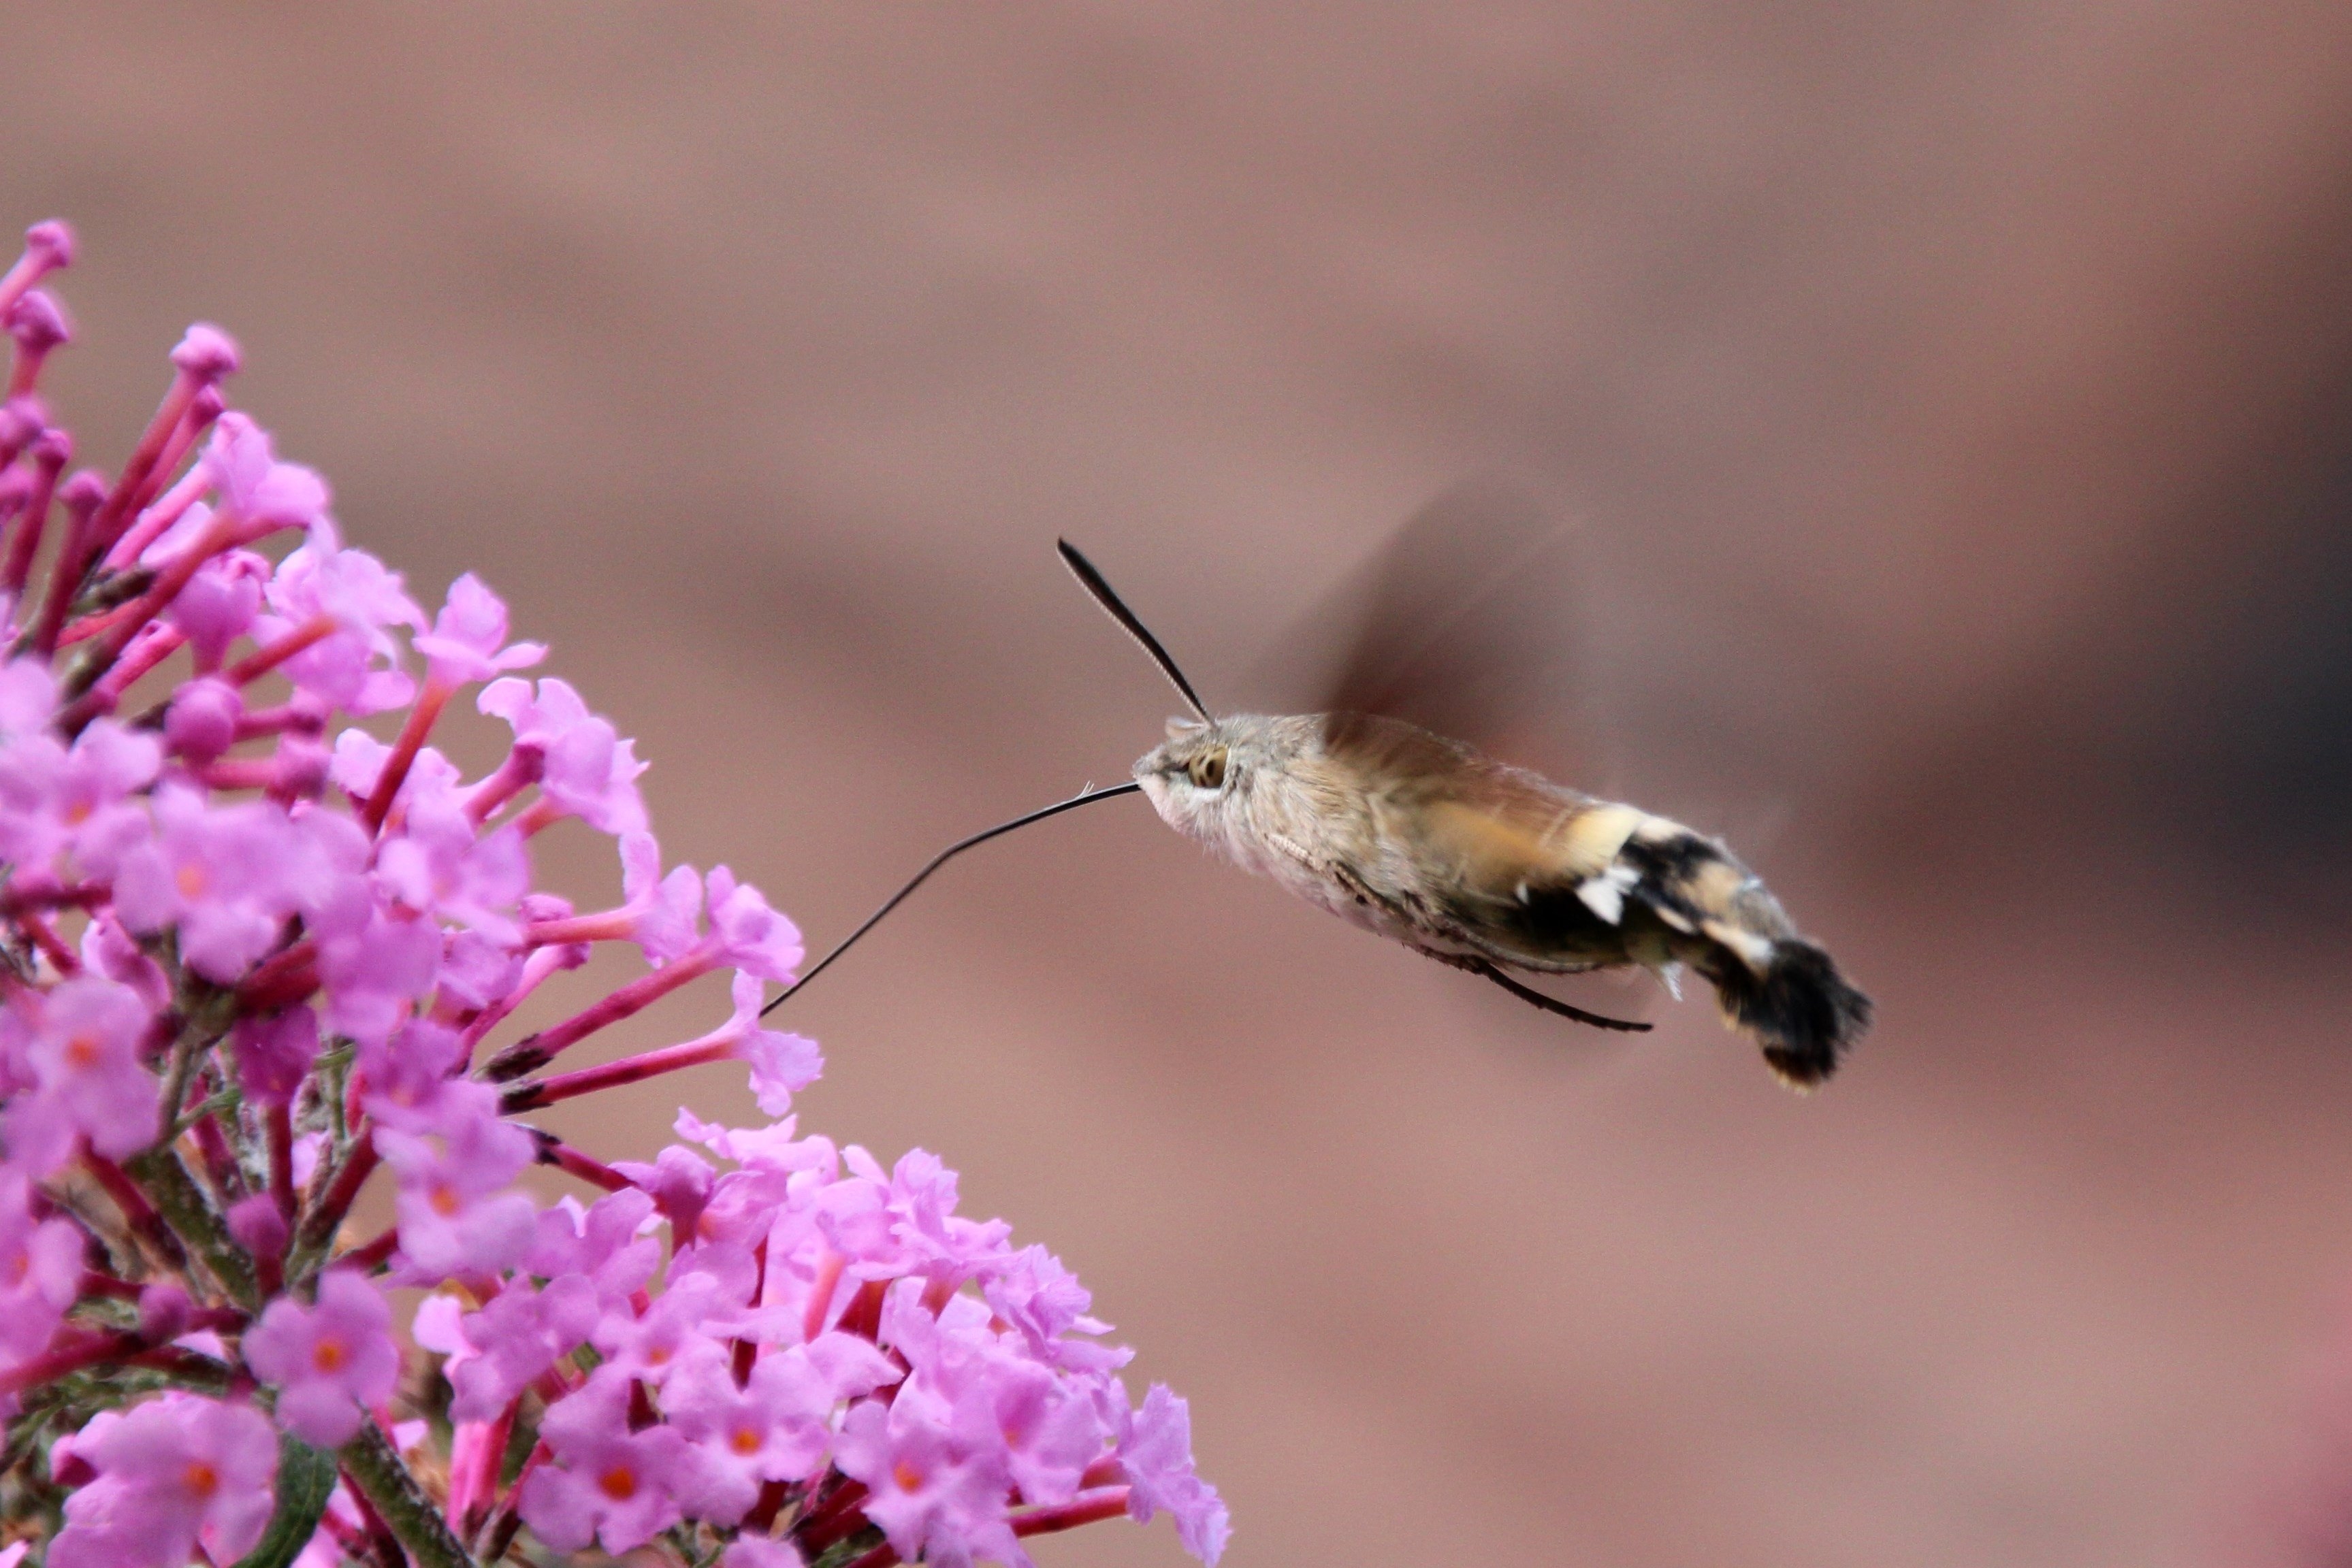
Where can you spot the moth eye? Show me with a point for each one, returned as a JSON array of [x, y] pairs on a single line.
[[1207, 770]]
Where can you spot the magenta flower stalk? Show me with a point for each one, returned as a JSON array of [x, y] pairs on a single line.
[[256, 961]]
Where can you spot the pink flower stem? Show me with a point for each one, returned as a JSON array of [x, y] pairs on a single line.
[[863, 1316], [17, 899], [532, 1053], [479, 1489], [500, 1533], [516, 773], [278, 720], [543, 814], [370, 1254], [536, 970], [157, 641], [279, 980], [86, 1352], [48, 461], [326, 1216], [604, 925], [836, 1518], [746, 1351], [109, 647], [49, 943], [277, 1122], [238, 773], [820, 1301], [260, 662], [220, 1165], [532, 1095], [553, 1151], [421, 720], [157, 519], [96, 1284], [133, 490]]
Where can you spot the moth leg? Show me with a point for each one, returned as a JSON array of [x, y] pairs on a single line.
[[1528, 994]]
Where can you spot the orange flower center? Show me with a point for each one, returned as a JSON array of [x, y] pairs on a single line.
[[619, 1483], [908, 1478], [746, 1441], [191, 879], [329, 1356], [200, 1478], [443, 1200], [82, 1052]]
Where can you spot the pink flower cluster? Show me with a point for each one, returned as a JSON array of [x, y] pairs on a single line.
[[253, 956]]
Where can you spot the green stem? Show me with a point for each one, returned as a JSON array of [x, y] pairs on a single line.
[[166, 1182], [376, 1468]]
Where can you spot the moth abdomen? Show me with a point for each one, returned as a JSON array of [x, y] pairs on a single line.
[[1782, 990]]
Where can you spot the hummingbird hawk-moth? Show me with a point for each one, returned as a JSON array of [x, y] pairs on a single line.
[[1484, 866], [1426, 840]]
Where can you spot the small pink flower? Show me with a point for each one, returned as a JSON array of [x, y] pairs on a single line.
[[253, 485], [469, 639], [40, 1272], [1157, 1452], [175, 1472], [585, 767], [84, 1054], [329, 1362], [607, 1483]]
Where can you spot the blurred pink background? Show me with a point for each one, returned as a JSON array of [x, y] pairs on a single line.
[[1956, 402]]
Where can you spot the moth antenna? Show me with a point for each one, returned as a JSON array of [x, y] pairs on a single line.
[[1084, 798], [1092, 581]]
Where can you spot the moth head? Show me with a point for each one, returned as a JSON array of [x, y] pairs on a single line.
[[1197, 773], [1200, 780]]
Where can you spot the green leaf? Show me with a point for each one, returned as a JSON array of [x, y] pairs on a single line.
[[305, 1475]]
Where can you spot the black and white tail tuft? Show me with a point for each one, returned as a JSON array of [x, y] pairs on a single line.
[[1775, 986]]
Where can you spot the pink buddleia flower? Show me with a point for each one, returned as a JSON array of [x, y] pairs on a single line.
[[933, 1497], [253, 485], [355, 668], [456, 1213], [85, 1057], [777, 1425], [586, 767], [469, 639], [603, 1243], [56, 800], [221, 601], [40, 1272], [173, 1473], [1156, 1450], [203, 720], [745, 1552], [517, 1336], [652, 1345], [329, 1361], [1039, 1426], [750, 935], [324, 940], [210, 873], [607, 1483]]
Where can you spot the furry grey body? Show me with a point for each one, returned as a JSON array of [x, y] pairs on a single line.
[[1428, 842]]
